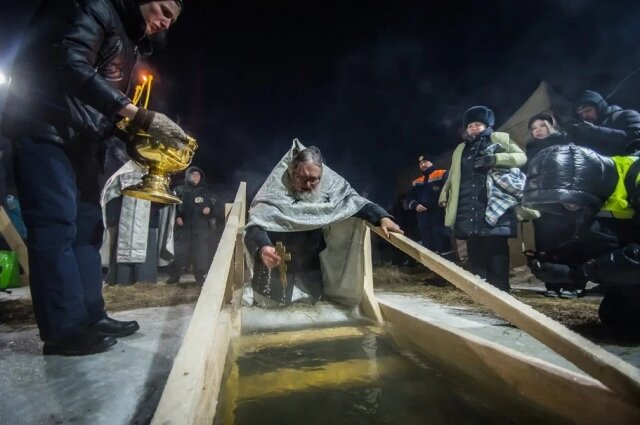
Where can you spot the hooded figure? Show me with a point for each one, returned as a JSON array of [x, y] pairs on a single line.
[[192, 226], [591, 230], [317, 216], [607, 129]]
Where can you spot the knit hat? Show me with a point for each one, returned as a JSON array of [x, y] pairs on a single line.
[[478, 114], [590, 97], [543, 117], [422, 158]]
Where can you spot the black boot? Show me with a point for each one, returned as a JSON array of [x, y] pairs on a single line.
[[80, 343], [115, 328]]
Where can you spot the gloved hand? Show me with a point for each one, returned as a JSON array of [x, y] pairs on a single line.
[[581, 129], [160, 127], [484, 161]]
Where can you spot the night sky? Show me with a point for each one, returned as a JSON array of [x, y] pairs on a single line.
[[372, 84]]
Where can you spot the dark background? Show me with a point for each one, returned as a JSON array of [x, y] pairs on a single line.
[[374, 83]]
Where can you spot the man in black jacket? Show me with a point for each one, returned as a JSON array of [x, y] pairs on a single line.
[[65, 98], [607, 129], [192, 226]]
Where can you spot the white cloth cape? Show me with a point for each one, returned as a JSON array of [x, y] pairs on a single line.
[[275, 209]]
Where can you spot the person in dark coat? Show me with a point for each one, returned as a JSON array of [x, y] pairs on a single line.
[[192, 226], [423, 199], [465, 196], [66, 95], [607, 129], [593, 229], [544, 134]]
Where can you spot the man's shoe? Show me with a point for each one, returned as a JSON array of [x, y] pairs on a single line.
[[81, 343], [173, 280], [115, 328], [551, 294]]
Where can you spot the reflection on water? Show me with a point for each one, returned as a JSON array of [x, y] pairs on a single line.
[[357, 377]]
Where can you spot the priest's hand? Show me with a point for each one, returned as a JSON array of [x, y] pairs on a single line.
[[387, 225], [270, 257]]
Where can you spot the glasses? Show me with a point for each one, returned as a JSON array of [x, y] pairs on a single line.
[[312, 180]]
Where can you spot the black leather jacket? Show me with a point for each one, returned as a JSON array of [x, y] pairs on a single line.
[[72, 71]]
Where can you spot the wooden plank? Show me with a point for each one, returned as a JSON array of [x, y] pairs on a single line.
[[251, 343], [238, 260], [575, 396], [190, 394], [355, 372], [609, 369], [15, 242], [369, 303]]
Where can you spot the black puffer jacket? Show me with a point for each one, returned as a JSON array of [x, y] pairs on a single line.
[[472, 201], [616, 132], [569, 176], [535, 146], [72, 72]]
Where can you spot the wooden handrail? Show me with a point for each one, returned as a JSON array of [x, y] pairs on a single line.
[[190, 394], [612, 371]]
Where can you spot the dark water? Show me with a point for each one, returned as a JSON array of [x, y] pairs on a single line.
[[363, 379]]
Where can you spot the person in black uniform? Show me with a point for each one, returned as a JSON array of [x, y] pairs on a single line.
[[192, 226]]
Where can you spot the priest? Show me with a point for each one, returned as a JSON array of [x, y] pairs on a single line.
[[305, 233]]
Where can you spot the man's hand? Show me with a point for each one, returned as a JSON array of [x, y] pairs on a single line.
[[582, 129], [421, 208], [443, 204], [484, 161], [158, 125], [387, 225], [206, 210], [270, 257], [179, 222], [166, 131]]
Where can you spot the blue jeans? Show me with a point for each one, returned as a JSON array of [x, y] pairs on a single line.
[[64, 239]]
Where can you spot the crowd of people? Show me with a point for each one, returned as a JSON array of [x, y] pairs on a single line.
[[580, 185]]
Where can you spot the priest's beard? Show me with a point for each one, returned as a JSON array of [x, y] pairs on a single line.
[[311, 197]]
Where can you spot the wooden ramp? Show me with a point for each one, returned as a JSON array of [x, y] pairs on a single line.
[[609, 393]]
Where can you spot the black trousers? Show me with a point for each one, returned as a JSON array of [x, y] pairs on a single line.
[[59, 198], [489, 258], [191, 245]]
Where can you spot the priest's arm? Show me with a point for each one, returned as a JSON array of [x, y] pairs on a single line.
[[257, 240]]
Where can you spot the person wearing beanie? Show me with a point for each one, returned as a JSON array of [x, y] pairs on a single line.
[[71, 77], [465, 195], [607, 129], [422, 198]]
